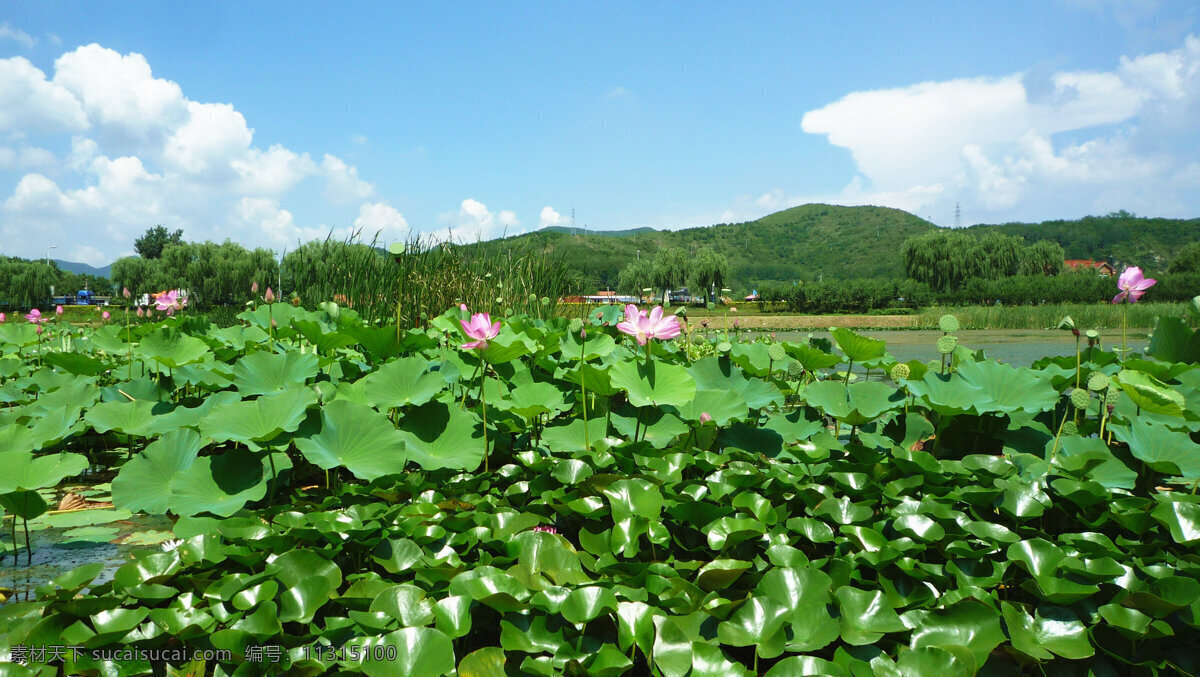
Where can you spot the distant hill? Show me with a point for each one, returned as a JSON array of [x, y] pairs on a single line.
[[803, 242], [1120, 238], [567, 230], [83, 268]]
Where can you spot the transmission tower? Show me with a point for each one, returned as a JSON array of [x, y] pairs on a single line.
[[957, 215]]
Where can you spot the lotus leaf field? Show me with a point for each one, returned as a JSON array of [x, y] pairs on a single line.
[[694, 506]]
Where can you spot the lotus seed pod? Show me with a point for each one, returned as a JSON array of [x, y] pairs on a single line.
[[724, 346], [1112, 397], [1080, 398], [933, 365], [1097, 381], [545, 300], [946, 344], [576, 325], [948, 323], [533, 298], [1069, 428], [1092, 334], [777, 353], [900, 372], [794, 370]]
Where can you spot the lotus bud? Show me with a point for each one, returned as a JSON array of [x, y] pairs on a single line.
[[704, 417], [58, 310], [125, 292], [39, 330], [3, 317], [737, 323], [462, 307], [274, 324], [105, 316], [141, 313], [269, 296], [254, 287]]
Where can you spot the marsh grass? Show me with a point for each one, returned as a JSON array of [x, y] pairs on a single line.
[[424, 278], [1086, 316]]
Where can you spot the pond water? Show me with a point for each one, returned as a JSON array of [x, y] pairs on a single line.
[[57, 550], [1014, 346]]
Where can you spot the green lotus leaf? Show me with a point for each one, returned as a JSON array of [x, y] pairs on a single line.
[[143, 483], [811, 358], [220, 485], [723, 406], [586, 603], [403, 382], [549, 555], [508, 345], [755, 357], [1130, 622], [570, 437], [656, 426], [357, 438], [595, 346], [758, 622], [1173, 341], [1053, 630], [858, 404], [1008, 389], [76, 363], [438, 435], [259, 420], [1181, 518], [799, 666], [1095, 460], [84, 537], [131, 418], [325, 339], [672, 650], [1163, 449], [635, 625], [634, 498], [970, 624], [1149, 393], [919, 527], [656, 384], [379, 343], [721, 573], [25, 472], [1164, 596], [709, 660], [729, 531], [171, 348], [531, 399], [488, 662], [571, 471], [856, 346], [263, 373], [951, 661], [24, 504], [866, 615]]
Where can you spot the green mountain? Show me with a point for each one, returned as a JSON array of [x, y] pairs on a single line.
[[1120, 238], [567, 230], [83, 268], [803, 242]]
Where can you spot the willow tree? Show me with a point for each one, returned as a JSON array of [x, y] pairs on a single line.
[[636, 276], [1042, 257], [996, 255], [709, 270], [939, 258], [671, 268]]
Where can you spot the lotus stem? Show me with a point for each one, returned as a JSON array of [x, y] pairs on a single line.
[[483, 408], [28, 546], [583, 389]]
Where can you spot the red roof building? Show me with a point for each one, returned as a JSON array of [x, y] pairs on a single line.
[[1101, 267]]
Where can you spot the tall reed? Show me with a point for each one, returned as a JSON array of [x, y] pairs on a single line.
[[1089, 316]]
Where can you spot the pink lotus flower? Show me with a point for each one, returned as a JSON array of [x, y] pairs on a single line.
[[546, 529], [654, 326], [35, 316], [105, 316], [705, 417], [169, 301], [481, 328], [462, 307], [3, 318], [58, 310], [1132, 285]]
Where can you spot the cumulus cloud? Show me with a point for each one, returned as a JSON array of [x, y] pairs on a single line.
[[1006, 147], [474, 221], [551, 218], [382, 222], [142, 153]]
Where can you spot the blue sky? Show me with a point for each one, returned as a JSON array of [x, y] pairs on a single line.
[[272, 123]]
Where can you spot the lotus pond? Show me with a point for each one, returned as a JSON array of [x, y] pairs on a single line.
[[355, 498]]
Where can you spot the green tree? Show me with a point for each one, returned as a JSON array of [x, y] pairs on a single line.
[[996, 255], [709, 270], [671, 267], [152, 243], [939, 258], [1043, 257], [636, 276], [1186, 260]]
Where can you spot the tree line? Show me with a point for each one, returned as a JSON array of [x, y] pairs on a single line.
[[26, 283], [704, 272]]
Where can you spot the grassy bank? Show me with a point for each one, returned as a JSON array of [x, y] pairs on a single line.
[[1086, 316]]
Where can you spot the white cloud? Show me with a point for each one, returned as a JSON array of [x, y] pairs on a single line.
[[10, 32], [141, 153], [358, 139], [1022, 147], [617, 92], [29, 103], [382, 222], [551, 218], [342, 183], [474, 221]]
